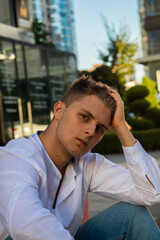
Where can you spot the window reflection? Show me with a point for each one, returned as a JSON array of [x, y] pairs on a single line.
[[29, 87], [23, 95], [154, 42], [9, 89], [56, 76], [5, 16], [38, 87], [152, 7], [70, 69]]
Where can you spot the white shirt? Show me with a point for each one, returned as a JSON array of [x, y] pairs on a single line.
[[29, 181]]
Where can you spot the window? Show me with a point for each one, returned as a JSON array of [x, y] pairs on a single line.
[[151, 1], [154, 42], [26, 77], [70, 68], [154, 36], [5, 12], [152, 7], [22, 130], [8, 85], [56, 75], [38, 87]]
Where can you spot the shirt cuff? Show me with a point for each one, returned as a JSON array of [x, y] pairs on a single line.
[[136, 155]]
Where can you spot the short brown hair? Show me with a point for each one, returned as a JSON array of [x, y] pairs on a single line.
[[84, 86]]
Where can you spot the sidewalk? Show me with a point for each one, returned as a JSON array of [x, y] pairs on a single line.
[[98, 203]]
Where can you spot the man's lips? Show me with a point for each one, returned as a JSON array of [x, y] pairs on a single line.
[[82, 141]]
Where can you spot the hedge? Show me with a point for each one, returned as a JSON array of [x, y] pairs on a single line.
[[139, 106], [140, 124], [150, 140], [154, 115]]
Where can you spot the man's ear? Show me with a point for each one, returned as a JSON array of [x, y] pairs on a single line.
[[58, 109]]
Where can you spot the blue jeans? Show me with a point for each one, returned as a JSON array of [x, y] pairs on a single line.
[[120, 221]]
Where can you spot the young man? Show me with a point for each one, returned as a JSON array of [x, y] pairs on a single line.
[[44, 179]]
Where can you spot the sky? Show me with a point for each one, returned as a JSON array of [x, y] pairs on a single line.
[[90, 31]]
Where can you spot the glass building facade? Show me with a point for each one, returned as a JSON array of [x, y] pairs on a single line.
[[32, 79], [39, 10], [58, 15]]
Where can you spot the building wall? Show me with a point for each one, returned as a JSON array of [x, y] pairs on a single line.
[[150, 30]]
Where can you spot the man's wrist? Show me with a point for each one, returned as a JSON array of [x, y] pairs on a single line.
[[125, 136]]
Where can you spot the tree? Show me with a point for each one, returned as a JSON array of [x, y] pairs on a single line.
[[136, 92], [41, 34], [120, 51], [146, 116], [104, 74], [135, 100], [138, 105], [151, 97]]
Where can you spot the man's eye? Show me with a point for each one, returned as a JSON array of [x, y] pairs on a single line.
[[84, 116], [100, 129]]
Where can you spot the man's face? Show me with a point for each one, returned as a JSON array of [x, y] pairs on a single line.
[[82, 125]]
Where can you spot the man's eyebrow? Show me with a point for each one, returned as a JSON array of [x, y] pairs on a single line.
[[90, 114]]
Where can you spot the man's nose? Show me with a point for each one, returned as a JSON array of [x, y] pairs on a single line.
[[90, 130]]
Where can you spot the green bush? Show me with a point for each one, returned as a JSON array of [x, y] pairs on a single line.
[[126, 110], [140, 124], [109, 144], [136, 92], [154, 115], [150, 140], [139, 107]]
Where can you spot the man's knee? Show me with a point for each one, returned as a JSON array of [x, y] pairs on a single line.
[[122, 220], [130, 211], [126, 214], [130, 208], [127, 208]]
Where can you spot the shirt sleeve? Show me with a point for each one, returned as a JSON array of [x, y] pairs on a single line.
[[144, 171], [21, 210], [140, 184]]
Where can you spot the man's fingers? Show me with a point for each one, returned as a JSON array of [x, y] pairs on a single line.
[[115, 95]]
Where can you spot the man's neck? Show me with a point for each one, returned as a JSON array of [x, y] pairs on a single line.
[[51, 145]]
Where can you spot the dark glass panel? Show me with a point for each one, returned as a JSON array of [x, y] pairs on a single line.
[[70, 69], [23, 92], [152, 7], [56, 76], [154, 42], [8, 84], [5, 16], [38, 87]]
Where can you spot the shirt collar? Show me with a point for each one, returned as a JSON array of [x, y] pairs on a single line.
[[75, 164]]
